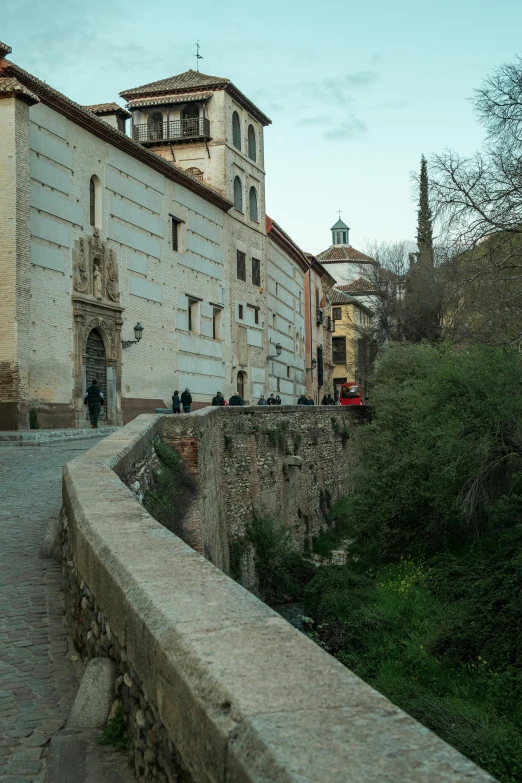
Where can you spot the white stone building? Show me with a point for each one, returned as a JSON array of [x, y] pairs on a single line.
[[100, 231]]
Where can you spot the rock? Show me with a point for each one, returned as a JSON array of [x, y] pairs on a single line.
[[127, 680], [85, 603], [141, 720], [149, 756], [95, 695], [115, 704], [95, 629]]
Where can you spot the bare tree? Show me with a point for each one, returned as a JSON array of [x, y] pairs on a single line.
[[478, 201]]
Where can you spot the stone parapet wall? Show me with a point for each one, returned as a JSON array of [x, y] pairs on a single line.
[[216, 686]]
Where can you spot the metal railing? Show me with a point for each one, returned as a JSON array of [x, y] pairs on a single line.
[[196, 128]]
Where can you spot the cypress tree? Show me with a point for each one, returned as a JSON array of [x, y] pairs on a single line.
[[424, 216], [422, 300]]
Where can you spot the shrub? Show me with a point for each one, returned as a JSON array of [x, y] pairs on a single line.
[[173, 491], [444, 446], [281, 571]]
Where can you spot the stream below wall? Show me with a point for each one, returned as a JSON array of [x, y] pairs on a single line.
[[293, 613]]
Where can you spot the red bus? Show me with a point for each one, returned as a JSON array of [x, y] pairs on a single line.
[[351, 394]]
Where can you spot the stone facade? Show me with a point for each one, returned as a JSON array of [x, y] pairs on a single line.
[[99, 233], [319, 366], [350, 341]]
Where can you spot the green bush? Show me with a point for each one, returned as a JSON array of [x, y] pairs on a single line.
[[281, 571], [174, 489], [115, 732], [444, 446]]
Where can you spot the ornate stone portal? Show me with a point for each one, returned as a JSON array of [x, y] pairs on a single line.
[[96, 306]]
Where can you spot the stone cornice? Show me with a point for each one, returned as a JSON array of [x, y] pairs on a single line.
[[286, 244]]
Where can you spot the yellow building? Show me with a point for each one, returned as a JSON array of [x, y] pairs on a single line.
[[351, 340]]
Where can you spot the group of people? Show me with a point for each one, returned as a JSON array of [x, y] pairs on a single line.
[[271, 400], [185, 400]]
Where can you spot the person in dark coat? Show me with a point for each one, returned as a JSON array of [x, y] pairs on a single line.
[[261, 400], [186, 400], [278, 399], [218, 399], [331, 400], [236, 400], [310, 401], [302, 400], [271, 400], [94, 399], [176, 402], [324, 401]]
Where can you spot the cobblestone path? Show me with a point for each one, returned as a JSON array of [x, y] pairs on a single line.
[[37, 678]]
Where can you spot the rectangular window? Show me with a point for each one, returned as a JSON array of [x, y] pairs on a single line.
[[256, 272], [175, 233], [337, 314], [241, 266], [316, 298], [241, 312], [216, 323], [339, 350], [256, 312], [193, 316], [287, 371]]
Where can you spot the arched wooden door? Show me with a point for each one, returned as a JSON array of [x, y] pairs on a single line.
[[96, 367]]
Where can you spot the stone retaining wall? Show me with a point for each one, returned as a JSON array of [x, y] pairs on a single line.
[[218, 688]]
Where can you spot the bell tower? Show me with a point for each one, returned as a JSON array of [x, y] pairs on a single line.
[[340, 233], [204, 125]]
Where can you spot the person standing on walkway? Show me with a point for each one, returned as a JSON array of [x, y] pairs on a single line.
[[302, 400], [176, 402], [278, 399], [261, 400], [271, 400], [94, 399], [236, 399], [186, 400], [218, 399], [324, 401], [310, 401]]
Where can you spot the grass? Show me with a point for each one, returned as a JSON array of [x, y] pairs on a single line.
[[115, 732], [386, 625]]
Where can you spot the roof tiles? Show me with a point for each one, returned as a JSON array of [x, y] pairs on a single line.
[[107, 108], [344, 253]]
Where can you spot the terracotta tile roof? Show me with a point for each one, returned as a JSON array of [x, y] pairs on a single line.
[[344, 253], [339, 297], [10, 86], [359, 286], [162, 99], [191, 81], [182, 81], [107, 108], [4, 49]]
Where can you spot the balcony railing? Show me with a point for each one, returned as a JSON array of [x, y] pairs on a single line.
[[174, 130]]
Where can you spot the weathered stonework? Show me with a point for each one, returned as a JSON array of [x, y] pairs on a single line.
[[211, 675]]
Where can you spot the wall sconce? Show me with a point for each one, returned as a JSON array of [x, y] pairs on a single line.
[[278, 348], [138, 332], [314, 364]]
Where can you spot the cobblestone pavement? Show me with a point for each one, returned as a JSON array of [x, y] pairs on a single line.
[[37, 678]]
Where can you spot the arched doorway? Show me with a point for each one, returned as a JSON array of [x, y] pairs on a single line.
[[241, 384], [96, 367]]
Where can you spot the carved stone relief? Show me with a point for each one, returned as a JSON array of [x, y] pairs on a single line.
[[95, 269]]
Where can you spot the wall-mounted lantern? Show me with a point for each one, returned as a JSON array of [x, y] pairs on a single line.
[[314, 364], [138, 333], [278, 349]]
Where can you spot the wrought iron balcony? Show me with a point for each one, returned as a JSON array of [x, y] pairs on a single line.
[[196, 129]]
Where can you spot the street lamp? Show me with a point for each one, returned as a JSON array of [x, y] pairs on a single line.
[[138, 332], [278, 348], [314, 364]]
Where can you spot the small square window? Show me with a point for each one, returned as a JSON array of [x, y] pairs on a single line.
[[337, 314], [241, 312]]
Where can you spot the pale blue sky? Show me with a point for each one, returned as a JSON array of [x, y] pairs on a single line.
[[356, 91]]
